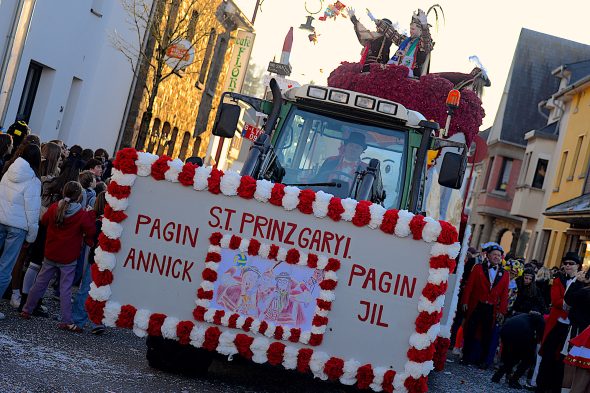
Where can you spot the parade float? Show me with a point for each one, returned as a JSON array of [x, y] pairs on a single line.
[[339, 276]]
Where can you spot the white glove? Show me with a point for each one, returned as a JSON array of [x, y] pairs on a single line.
[[371, 15], [350, 11], [422, 17]]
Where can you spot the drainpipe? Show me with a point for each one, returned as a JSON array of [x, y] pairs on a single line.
[[12, 54]]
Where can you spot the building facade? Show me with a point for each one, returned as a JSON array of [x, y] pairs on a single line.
[[186, 102], [529, 82], [60, 73], [567, 221]]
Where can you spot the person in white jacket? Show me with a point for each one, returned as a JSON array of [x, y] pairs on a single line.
[[20, 203]]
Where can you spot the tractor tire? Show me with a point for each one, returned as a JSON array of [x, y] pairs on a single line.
[[170, 356]]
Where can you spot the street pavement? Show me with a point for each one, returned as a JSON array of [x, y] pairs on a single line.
[[37, 357]]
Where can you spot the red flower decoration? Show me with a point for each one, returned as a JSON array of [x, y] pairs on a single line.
[[432, 291], [416, 225], [306, 199], [441, 262], [448, 234], [100, 278], [441, 345], [276, 194], [214, 181], [335, 209], [160, 166], [263, 327], [295, 335], [248, 324], [390, 221], [334, 368], [211, 338], [117, 191], [324, 305], [234, 242], [247, 187], [186, 177], [183, 331], [243, 342], [333, 265], [215, 238], [209, 275], [274, 252], [364, 376], [303, 358], [202, 294], [112, 215], [126, 316], [312, 261], [95, 310], [232, 321], [328, 285], [414, 385], [319, 320], [213, 257], [155, 324], [316, 339], [388, 378], [253, 247], [362, 214], [217, 317], [275, 353], [421, 355], [109, 245], [426, 320], [125, 161], [292, 256], [279, 333], [199, 313]]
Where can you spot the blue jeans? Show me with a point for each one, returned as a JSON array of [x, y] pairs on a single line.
[[12, 238], [79, 314]]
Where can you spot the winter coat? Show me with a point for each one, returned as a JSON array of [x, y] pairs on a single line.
[[63, 244], [557, 310], [479, 290], [20, 198], [578, 298]]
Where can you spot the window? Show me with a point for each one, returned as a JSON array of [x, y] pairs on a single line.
[[192, 26], [504, 177], [172, 143], [576, 157], [488, 173], [207, 57], [27, 98], [524, 171], [560, 173], [163, 138], [183, 148], [154, 135], [540, 173], [196, 146]]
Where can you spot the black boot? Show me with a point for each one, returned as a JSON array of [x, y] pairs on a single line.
[[497, 377], [514, 384]]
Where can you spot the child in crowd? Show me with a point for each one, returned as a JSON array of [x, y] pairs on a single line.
[[88, 182], [68, 226], [80, 317]]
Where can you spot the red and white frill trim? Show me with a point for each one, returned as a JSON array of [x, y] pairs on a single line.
[[261, 349]]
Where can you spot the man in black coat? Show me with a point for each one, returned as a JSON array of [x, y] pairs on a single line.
[[520, 335]]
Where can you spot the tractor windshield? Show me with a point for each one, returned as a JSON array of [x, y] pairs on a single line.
[[315, 148]]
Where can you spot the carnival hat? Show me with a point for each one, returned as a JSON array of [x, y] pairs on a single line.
[[571, 256]]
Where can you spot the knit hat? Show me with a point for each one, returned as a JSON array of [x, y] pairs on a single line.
[[18, 130]]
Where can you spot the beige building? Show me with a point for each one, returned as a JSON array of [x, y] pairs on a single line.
[[185, 106]]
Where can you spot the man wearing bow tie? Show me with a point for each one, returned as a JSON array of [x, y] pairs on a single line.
[[485, 303]]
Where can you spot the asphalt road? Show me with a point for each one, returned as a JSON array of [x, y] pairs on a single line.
[[37, 357]]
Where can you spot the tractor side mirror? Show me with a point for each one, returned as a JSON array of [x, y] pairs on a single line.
[[227, 119], [452, 170]]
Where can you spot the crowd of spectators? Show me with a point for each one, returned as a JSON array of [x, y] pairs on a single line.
[[523, 317]]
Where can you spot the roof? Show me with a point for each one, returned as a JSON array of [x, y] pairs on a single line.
[[550, 131], [531, 80], [579, 70], [485, 133], [575, 211]]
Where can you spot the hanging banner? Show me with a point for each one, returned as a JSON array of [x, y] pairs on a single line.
[[180, 55], [240, 56]]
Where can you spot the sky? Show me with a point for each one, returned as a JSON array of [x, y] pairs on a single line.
[[488, 30]]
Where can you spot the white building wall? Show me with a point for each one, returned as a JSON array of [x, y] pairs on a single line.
[[85, 81]]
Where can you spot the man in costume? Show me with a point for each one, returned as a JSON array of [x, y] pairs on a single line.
[[413, 51], [375, 44], [485, 302]]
